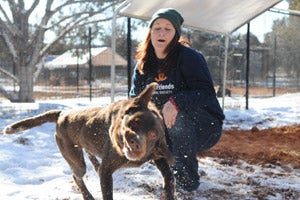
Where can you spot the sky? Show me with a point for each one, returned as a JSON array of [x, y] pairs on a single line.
[[37, 170], [262, 24]]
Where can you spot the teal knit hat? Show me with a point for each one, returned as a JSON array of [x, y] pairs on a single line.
[[170, 14]]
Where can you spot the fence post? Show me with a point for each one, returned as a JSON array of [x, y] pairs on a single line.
[[90, 62]]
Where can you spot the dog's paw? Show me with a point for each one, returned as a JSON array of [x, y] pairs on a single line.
[[7, 130], [11, 130]]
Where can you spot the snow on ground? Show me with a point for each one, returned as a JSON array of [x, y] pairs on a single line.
[[31, 166]]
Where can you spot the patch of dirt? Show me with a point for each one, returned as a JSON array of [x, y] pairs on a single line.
[[278, 146], [260, 91]]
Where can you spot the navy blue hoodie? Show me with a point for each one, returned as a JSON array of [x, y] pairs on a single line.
[[189, 83]]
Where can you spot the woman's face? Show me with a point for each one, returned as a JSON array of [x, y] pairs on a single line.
[[162, 33]]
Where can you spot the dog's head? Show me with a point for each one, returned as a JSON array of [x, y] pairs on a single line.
[[138, 132]]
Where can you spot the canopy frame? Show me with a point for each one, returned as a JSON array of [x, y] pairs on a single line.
[[221, 21]]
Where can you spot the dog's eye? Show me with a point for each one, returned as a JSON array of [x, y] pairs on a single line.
[[134, 124]]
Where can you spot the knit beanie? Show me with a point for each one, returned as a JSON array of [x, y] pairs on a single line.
[[170, 14]]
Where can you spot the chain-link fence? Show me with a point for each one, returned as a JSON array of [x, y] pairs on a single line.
[[70, 76], [273, 67]]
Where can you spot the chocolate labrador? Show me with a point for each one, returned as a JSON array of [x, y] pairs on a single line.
[[126, 133]]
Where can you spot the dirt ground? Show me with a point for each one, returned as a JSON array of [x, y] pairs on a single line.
[[265, 149], [279, 146]]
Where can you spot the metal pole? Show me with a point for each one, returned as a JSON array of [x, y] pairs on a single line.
[[77, 72], [129, 54], [225, 72], [247, 65], [274, 66], [113, 49], [285, 12], [90, 62]]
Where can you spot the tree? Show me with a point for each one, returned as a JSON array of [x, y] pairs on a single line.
[[23, 30], [285, 42], [121, 39]]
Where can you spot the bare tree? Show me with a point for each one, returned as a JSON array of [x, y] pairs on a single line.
[[23, 28], [285, 42]]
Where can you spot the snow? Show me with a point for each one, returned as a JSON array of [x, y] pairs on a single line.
[[31, 166]]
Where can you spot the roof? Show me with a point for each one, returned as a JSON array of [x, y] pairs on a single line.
[[100, 57], [214, 16]]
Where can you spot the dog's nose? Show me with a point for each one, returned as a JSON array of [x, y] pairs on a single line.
[[133, 141], [134, 144]]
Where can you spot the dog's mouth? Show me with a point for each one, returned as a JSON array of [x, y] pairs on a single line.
[[133, 148], [132, 154]]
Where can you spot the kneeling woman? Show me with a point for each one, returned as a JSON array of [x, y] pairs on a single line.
[[185, 95]]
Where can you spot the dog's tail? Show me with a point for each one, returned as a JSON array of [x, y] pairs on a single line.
[[28, 123]]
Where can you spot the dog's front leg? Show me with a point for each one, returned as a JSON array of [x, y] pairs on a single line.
[[169, 181], [106, 182]]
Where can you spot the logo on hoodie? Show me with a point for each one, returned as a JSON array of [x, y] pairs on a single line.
[[164, 89], [160, 77]]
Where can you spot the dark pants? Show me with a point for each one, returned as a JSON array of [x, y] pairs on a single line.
[[186, 138]]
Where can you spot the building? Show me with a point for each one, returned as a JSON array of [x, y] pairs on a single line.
[[73, 65]]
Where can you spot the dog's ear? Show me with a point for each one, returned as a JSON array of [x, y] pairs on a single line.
[[124, 120], [114, 131], [145, 96]]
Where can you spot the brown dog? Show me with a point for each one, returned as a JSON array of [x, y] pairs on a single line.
[[125, 133]]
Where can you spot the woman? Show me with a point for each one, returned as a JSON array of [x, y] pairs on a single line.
[[185, 94]]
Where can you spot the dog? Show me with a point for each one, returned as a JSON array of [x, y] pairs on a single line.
[[126, 133]]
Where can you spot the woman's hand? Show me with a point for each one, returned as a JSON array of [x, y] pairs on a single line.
[[169, 113]]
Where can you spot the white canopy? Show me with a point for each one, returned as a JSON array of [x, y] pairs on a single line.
[[214, 16]]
